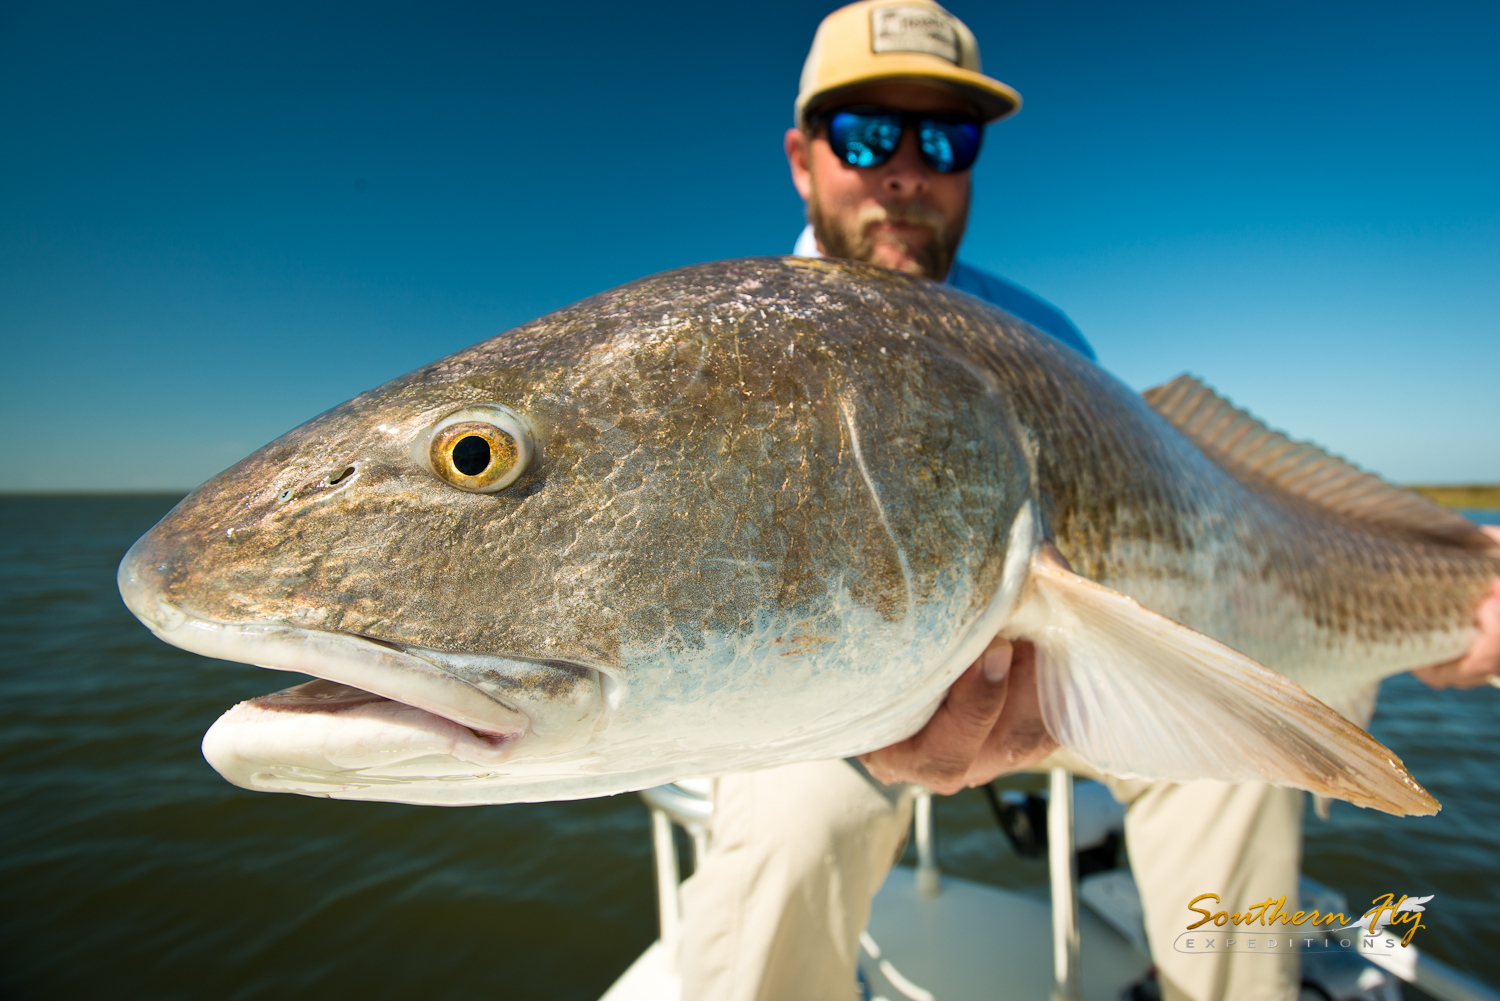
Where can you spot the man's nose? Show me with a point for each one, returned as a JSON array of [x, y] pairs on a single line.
[[906, 174]]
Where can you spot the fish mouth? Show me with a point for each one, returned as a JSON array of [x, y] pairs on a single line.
[[378, 704]]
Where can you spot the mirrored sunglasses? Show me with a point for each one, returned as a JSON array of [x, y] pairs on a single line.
[[869, 136]]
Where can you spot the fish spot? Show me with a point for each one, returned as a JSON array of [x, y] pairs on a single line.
[[803, 644]]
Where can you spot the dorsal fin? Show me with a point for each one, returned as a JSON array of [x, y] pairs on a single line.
[[1256, 455]]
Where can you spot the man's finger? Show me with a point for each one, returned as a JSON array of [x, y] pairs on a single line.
[[953, 738], [1482, 660], [974, 702], [939, 755], [1020, 737]]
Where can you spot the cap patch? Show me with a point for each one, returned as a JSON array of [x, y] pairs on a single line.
[[910, 27]]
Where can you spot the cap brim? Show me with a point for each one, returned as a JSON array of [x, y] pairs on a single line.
[[991, 98]]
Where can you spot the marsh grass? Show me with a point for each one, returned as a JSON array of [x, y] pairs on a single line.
[[1470, 495]]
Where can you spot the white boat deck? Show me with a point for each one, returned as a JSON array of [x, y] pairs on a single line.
[[971, 941], [966, 941], [977, 941]]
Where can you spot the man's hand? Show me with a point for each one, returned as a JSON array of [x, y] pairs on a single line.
[[989, 723], [1482, 662]]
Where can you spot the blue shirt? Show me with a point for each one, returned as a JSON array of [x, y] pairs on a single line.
[[996, 291]]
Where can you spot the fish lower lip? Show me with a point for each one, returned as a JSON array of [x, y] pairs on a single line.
[[323, 696], [326, 737]]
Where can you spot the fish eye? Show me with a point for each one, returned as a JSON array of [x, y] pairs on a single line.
[[478, 449], [474, 454]]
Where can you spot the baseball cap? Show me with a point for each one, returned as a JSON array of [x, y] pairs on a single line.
[[898, 40]]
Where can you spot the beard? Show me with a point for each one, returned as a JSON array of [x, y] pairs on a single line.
[[854, 239]]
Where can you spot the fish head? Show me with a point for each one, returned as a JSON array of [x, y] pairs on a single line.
[[727, 517]]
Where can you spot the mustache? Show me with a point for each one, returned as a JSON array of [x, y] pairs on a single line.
[[911, 213]]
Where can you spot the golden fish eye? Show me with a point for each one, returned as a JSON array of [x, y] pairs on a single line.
[[474, 455], [482, 448]]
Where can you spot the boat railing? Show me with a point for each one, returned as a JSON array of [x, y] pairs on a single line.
[[689, 804]]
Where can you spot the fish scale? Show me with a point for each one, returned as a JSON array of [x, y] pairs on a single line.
[[773, 508], [1128, 502]]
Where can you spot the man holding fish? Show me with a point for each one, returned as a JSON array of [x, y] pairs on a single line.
[[889, 120], [752, 513]]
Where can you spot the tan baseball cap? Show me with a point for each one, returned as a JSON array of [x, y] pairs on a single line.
[[898, 40]]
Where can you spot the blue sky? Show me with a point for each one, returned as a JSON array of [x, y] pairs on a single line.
[[217, 220]]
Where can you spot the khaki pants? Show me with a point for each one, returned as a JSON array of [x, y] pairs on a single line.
[[774, 910], [1243, 842]]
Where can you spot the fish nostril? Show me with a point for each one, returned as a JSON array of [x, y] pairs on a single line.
[[341, 475]]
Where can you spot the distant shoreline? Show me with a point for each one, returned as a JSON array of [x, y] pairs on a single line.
[[1480, 496], [132, 492], [1471, 495]]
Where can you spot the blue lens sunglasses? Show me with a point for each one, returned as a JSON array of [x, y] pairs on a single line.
[[868, 136]]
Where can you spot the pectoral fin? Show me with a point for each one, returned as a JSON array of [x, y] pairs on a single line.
[[1137, 695]]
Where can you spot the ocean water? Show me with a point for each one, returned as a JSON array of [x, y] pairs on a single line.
[[128, 869]]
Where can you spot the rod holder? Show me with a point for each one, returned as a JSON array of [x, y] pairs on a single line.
[[669, 905], [929, 880], [1062, 864]]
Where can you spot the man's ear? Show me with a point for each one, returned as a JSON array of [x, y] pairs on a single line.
[[799, 158]]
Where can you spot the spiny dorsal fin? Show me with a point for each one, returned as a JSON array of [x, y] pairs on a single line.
[[1255, 454]]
